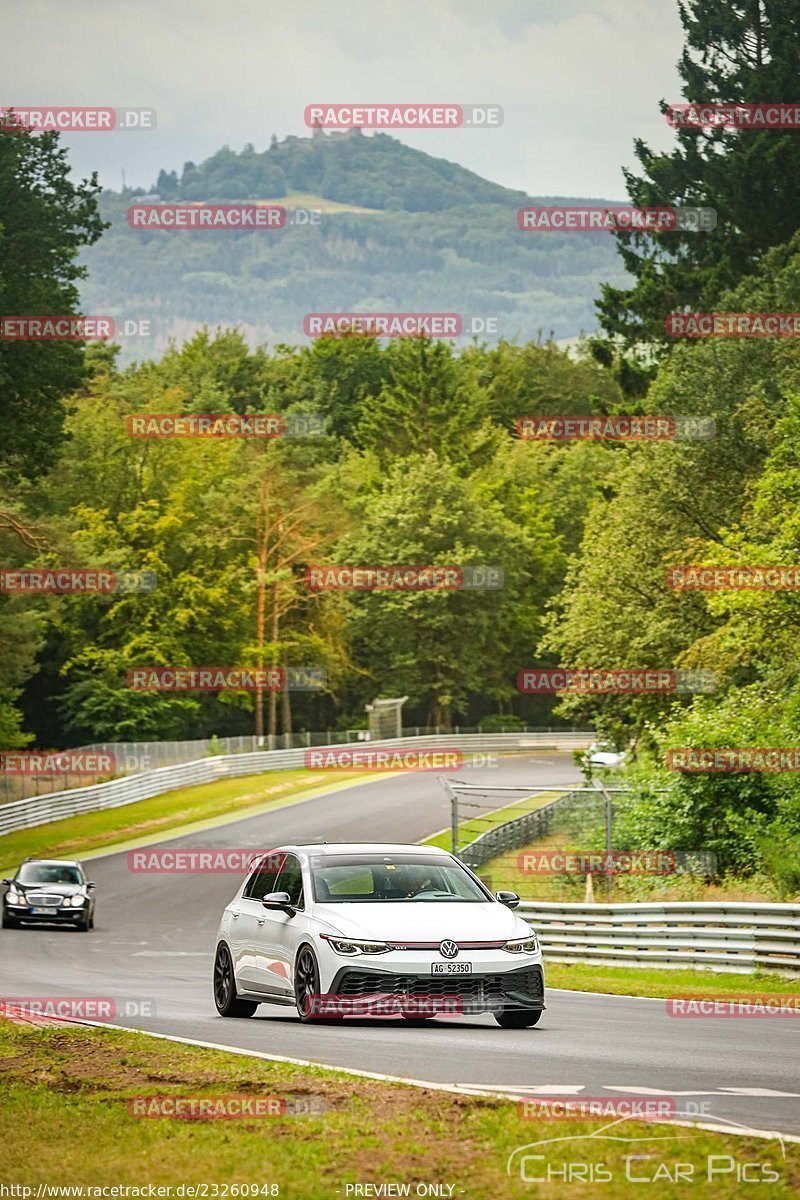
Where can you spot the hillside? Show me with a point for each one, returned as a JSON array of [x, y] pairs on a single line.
[[400, 230]]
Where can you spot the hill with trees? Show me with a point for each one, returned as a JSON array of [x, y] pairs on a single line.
[[399, 230]]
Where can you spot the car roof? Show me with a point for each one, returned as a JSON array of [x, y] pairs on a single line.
[[325, 848], [50, 862]]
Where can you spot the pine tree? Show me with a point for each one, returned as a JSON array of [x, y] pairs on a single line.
[[746, 52]]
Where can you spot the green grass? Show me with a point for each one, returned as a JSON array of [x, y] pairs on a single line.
[[311, 200], [659, 982], [474, 826], [65, 1121], [76, 836], [504, 872]]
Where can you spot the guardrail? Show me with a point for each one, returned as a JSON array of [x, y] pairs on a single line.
[[131, 758], [38, 810], [730, 936]]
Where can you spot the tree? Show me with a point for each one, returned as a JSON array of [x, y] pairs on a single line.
[[679, 503], [45, 219], [438, 646], [275, 513], [430, 401], [745, 51], [22, 625]]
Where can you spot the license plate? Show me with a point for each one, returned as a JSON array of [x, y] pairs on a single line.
[[451, 968], [45, 912]]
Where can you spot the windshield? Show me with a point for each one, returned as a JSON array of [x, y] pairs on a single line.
[[363, 878], [48, 873]]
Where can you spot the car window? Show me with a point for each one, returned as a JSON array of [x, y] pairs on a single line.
[[393, 878], [291, 880], [262, 881], [49, 873]]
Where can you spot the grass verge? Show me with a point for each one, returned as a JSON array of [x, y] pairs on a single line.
[[658, 982], [75, 836], [65, 1121], [504, 872]]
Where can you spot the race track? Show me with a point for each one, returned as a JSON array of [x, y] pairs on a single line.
[[154, 942]]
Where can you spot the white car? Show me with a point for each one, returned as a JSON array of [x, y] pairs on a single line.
[[605, 756], [370, 929]]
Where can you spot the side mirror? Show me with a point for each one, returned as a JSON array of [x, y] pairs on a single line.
[[91, 884], [8, 882], [278, 902], [510, 899]]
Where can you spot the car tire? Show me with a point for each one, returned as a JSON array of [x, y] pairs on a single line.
[[84, 925], [9, 922], [91, 921], [306, 985], [225, 998], [520, 1018]]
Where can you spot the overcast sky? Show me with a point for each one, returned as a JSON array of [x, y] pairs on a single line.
[[577, 79]]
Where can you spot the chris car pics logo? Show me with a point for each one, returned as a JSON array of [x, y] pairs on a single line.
[[630, 1153]]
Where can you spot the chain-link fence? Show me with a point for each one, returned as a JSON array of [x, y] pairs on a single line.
[[567, 837]]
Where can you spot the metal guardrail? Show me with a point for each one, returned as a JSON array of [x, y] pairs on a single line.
[[38, 810], [732, 936], [131, 758]]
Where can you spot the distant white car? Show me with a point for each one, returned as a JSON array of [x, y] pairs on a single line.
[[347, 929], [604, 756]]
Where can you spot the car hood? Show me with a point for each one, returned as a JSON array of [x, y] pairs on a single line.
[[52, 889], [409, 921]]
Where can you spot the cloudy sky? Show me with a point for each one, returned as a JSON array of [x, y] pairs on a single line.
[[577, 79]]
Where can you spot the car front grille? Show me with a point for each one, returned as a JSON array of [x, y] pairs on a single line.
[[477, 993], [44, 899]]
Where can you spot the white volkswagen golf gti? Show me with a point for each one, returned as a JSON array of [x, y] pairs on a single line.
[[369, 929]]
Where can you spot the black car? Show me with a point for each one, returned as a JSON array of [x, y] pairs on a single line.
[[45, 891]]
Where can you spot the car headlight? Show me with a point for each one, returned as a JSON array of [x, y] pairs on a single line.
[[351, 948], [528, 945], [76, 901], [15, 898]]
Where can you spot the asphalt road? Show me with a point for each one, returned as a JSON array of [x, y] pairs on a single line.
[[153, 947]]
